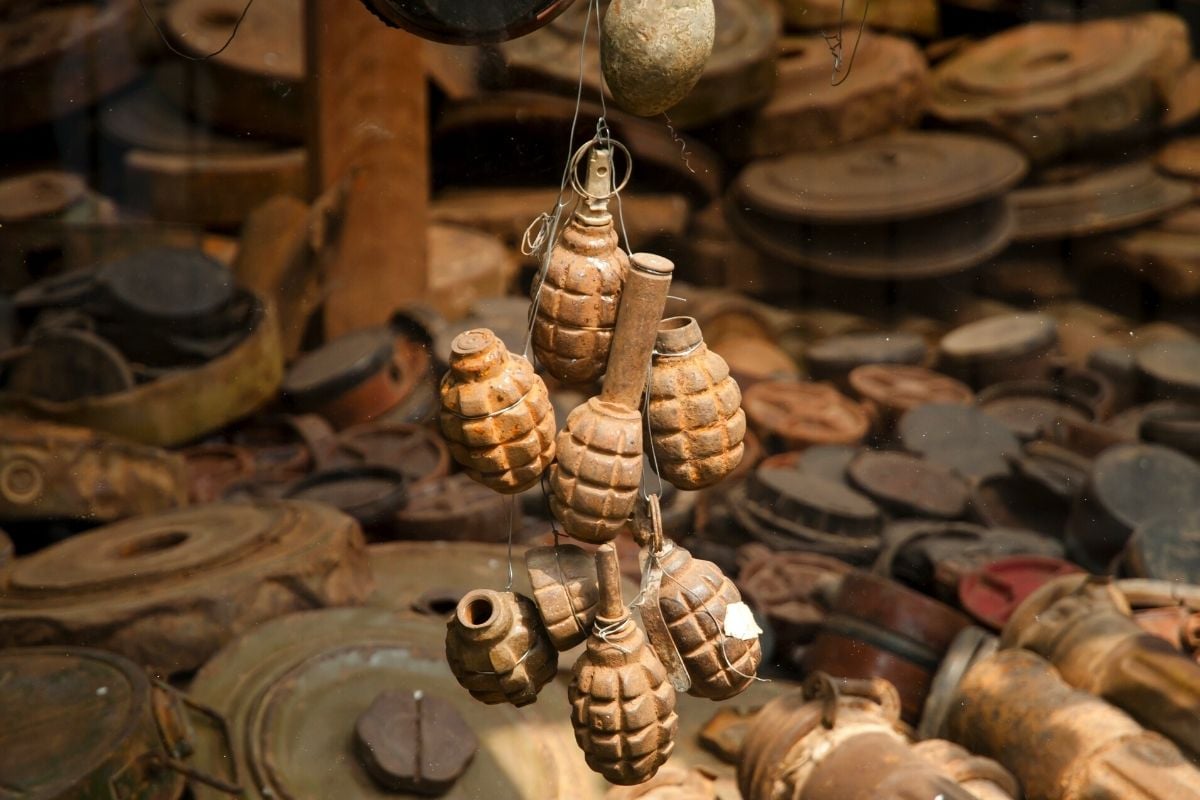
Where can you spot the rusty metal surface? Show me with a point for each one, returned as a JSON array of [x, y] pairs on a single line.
[[878, 628], [909, 486], [994, 591], [167, 591], [293, 688], [1061, 743], [1083, 625], [792, 415], [50, 471], [999, 348], [183, 405], [961, 438]]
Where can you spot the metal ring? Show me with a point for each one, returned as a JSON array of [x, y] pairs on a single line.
[[584, 150]]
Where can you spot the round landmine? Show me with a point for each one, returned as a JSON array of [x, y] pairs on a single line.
[[463, 22], [1165, 548], [1000, 348], [1130, 485], [168, 590], [791, 590], [933, 556], [1175, 425], [812, 502], [792, 415], [64, 365], [909, 486], [349, 380], [168, 285], [738, 74], [1028, 407], [60, 59], [371, 493], [1172, 369], [834, 358], [1181, 158], [871, 209], [878, 628], [892, 390], [415, 451], [1107, 200], [252, 82], [806, 111], [409, 741], [40, 195], [961, 438], [754, 358], [1021, 501], [991, 594], [1053, 88], [454, 507], [829, 461]]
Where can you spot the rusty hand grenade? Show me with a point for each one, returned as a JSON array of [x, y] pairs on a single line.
[[563, 578], [622, 705], [497, 648], [702, 613], [595, 482], [696, 418], [577, 299], [496, 413]]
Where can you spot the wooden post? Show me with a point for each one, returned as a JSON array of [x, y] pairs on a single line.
[[368, 119]]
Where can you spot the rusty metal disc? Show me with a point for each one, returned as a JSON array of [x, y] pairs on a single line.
[[38, 195], [992, 593], [791, 415], [415, 451], [1172, 369], [833, 359], [1166, 548], [1001, 347], [78, 718], [961, 438], [427, 579], [1108, 200], [169, 590], [466, 22], [1052, 88], [455, 507], [783, 534], [292, 689], [1181, 158], [142, 118], [168, 284], [807, 111], [371, 493], [1018, 501], [826, 460], [62, 365], [738, 74], [349, 380], [895, 389], [813, 502], [1027, 407], [900, 176], [62, 58], [1176, 425], [255, 83], [909, 486]]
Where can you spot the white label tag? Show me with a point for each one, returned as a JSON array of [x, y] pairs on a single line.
[[740, 622]]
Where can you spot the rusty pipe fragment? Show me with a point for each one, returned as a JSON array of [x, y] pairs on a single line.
[[1062, 743], [1084, 626], [842, 739]]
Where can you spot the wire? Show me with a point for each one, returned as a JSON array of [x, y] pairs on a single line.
[[835, 43], [171, 47]]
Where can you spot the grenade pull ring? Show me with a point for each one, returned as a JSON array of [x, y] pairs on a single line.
[[600, 185]]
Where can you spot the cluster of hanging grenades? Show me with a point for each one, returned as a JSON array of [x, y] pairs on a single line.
[[600, 314]]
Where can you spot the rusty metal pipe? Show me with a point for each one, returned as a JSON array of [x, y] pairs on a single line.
[[1062, 743], [1084, 626]]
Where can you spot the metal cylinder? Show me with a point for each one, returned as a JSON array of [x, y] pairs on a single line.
[[1061, 743], [1083, 625]]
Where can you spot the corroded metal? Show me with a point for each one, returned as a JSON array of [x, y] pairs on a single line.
[[563, 578], [1084, 626], [1062, 743], [496, 413], [50, 471], [498, 649], [840, 739], [411, 741], [622, 705], [695, 410], [167, 591], [596, 480]]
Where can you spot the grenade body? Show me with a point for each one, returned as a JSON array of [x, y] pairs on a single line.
[[565, 592], [577, 299], [496, 414], [696, 420], [497, 648], [694, 596], [652, 52]]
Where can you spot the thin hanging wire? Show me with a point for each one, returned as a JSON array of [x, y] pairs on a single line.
[[835, 42], [512, 505], [154, 24]]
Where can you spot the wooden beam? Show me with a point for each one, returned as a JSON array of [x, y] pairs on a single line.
[[368, 119]]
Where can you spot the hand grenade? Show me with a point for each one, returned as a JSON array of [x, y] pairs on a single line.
[[563, 578], [595, 482], [622, 706], [710, 627], [696, 418], [578, 297], [497, 648], [496, 413]]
